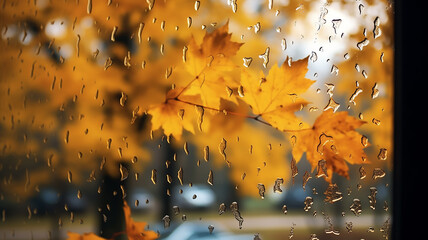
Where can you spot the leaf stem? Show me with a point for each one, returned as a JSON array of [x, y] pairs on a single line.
[[193, 80]]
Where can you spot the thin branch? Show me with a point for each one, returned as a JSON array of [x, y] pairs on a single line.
[[256, 118]]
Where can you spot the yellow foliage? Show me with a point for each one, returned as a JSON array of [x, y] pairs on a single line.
[[332, 138]]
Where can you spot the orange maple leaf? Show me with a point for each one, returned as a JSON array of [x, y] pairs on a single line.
[[173, 116], [275, 97], [85, 236], [135, 230], [332, 138]]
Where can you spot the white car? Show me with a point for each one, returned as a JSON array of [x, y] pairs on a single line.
[[199, 231]]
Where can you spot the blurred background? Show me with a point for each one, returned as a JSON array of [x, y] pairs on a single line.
[[78, 77]]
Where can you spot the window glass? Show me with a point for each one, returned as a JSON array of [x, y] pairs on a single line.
[[196, 119]]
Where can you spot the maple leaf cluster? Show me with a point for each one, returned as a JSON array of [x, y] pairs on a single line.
[[272, 99]]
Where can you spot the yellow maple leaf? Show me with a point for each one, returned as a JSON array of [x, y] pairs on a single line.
[[173, 116], [332, 138], [135, 230], [210, 66], [275, 97], [85, 236]]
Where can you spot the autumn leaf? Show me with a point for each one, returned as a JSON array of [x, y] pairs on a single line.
[[135, 230], [174, 116], [332, 138], [210, 66], [275, 97], [85, 236]]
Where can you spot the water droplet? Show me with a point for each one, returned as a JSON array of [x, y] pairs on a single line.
[[140, 32], [306, 177], [332, 105], [336, 24], [162, 26], [210, 178], [294, 170], [372, 197], [354, 95], [180, 175], [206, 153], [222, 149], [283, 44], [113, 33], [376, 29], [375, 91], [308, 203], [348, 226], [257, 27], [383, 154], [362, 44], [119, 151], [277, 185], [153, 177], [151, 4], [313, 57], [360, 8], [200, 111], [332, 194], [176, 210], [162, 49], [108, 63], [123, 99], [235, 211], [221, 209], [69, 176], [381, 56], [189, 22], [79, 194], [265, 57], [262, 190], [362, 172], [67, 136], [323, 140], [376, 121], [330, 88], [123, 172], [211, 229], [234, 5], [197, 5], [284, 209], [334, 69], [346, 56], [186, 149], [247, 61], [378, 173], [168, 178], [364, 73], [166, 221], [322, 168]]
